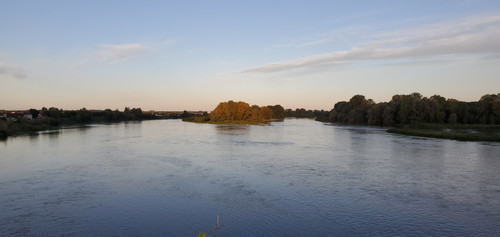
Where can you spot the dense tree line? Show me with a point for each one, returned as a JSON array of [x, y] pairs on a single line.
[[87, 116], [241, 111], [414, 108], [299, 113], [320, 115]]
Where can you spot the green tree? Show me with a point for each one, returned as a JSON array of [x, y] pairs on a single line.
[[278, 111], [54, 113], [376, 114], [34, 113], [83, 116], [340, 112], [109, 116], [126, 115], [439, 108], [495, 107], [44, 111], [136, 113], [388, 116], [452, 119]]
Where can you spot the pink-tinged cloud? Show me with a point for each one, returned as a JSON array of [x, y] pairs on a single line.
[[119, 52], [474, 36]]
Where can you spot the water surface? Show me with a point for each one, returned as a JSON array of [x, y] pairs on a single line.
[[293, 178]]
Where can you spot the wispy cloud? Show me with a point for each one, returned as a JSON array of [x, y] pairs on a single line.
[[319, 39], [119, 52], [300, 43], [13, 71], [115, 53], [475, 35], [80, 63]]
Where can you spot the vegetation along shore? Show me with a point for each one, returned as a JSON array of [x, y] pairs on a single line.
[[31, 121], [416, 115], [410, 114]]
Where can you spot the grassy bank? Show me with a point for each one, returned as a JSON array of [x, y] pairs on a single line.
[[24, 126], [474, 132]]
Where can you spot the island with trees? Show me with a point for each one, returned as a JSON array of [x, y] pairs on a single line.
[[240, 113]]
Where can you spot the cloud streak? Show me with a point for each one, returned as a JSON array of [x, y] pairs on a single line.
[[301, 44], [475, 36], [120, 52], [12, 71], [116, 53]]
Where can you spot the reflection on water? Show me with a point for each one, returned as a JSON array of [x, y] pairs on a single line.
[[232, 129], [50, 132], [293, 178]]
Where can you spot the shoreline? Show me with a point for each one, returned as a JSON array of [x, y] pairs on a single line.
[[40, 126], [458, 132], [475, 132]]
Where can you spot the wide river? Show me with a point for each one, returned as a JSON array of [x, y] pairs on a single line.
[[293, 178]]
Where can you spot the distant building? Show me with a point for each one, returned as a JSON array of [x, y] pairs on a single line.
[[15, 115]]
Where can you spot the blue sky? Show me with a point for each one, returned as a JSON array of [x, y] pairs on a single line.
[[176, 55]]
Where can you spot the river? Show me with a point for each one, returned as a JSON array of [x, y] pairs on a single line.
[[293, 178]]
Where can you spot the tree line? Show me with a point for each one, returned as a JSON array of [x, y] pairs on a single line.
[[320, 115], [53, 118], [91, 116], [414, 108]]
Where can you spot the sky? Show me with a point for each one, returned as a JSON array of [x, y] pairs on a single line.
[[191, 55]]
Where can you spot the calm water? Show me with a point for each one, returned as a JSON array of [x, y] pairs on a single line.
[[292, 178]]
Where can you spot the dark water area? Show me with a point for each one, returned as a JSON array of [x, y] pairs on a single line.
[[293, 178]]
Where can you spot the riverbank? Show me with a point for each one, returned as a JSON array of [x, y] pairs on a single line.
[[28, 127], [14, 123], [24, 127], [475, 132]]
